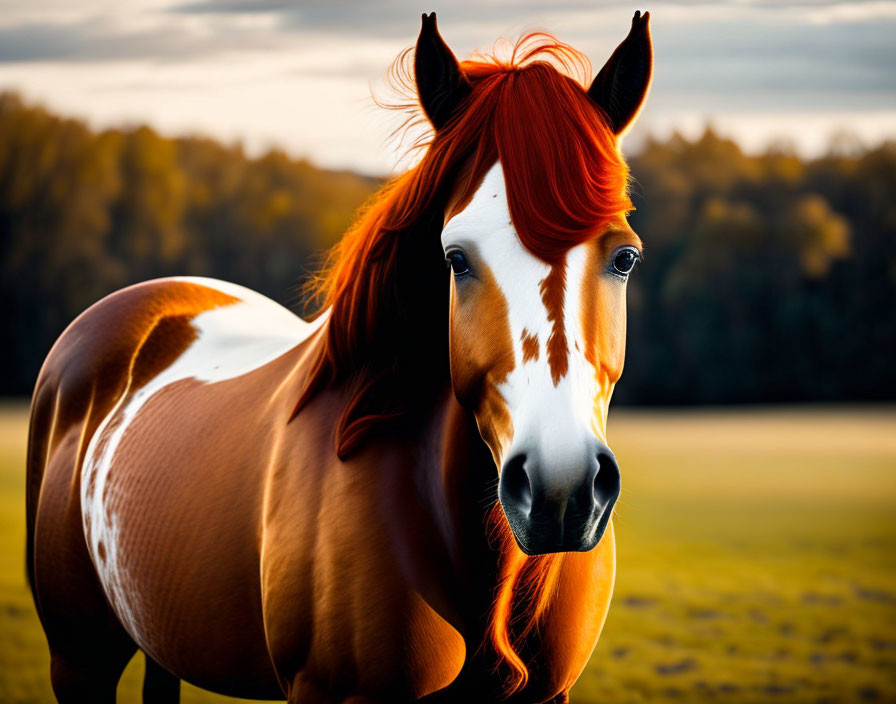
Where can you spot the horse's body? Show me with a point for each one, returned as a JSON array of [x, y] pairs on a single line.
[[253, 570], [180, 502]]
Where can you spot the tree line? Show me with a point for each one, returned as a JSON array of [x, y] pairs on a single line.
[[766, 277], [85, 213]]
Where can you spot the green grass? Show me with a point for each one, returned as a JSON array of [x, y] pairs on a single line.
[[756, 562], [755, 559]]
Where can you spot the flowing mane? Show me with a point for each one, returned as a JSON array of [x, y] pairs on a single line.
[[565, 180]]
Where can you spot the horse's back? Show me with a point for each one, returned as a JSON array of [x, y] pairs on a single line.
[[139, 481]]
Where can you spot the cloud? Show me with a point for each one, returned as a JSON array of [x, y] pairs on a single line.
[[193, 29], [746, 53], [101, 41], [797, 65], [297, 74], [235, 6]]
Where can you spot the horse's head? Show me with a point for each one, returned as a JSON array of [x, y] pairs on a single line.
[[536, 237]]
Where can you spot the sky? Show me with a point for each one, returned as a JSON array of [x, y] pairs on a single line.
[[300, 75]]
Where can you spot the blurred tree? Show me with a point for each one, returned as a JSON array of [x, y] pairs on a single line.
[[819, 236], [766, 278], [83, 214]]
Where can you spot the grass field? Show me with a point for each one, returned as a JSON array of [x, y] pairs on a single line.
[[756, 557]]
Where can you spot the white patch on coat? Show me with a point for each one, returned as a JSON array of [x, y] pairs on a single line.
[[554, 421], [232, 340]]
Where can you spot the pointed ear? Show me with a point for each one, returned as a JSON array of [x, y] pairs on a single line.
[[441, 84], [621, 86]]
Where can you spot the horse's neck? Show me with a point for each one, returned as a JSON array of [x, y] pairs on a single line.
[[501, 594], [461, 478]]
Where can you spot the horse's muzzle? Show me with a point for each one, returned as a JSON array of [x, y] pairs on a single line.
[[562, 508]]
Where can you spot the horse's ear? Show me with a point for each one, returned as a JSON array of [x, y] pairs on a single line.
[[621, 86], [441, 83]]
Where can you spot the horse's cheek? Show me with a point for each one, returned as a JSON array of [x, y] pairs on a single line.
[[482, 355]]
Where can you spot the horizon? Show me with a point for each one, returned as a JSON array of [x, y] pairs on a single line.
[[268, 74], [840, 142]]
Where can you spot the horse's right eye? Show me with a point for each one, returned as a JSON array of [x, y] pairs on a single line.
[[457, 260]]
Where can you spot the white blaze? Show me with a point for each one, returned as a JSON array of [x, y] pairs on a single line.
[[553, 419]]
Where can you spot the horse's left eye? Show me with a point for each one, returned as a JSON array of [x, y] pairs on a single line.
[[457, 260], [624, 261]]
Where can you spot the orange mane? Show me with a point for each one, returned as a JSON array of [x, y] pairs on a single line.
[[524, 590], [386, 281]]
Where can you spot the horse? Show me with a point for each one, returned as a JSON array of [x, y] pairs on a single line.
[[408, 497]]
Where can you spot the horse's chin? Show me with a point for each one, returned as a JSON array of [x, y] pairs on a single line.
[[541, 549], [534, 542]]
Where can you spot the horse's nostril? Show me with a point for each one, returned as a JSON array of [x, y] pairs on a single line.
[[606, 482], [515, 482]]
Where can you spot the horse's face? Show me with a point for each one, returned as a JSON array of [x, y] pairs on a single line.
[[535, 351], [536, 348]]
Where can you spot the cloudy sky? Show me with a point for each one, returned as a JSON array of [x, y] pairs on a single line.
[[299, 75]]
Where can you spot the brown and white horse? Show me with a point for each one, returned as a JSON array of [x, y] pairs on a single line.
[[408, 498]]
